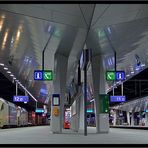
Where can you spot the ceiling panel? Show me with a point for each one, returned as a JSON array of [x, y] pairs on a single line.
[[117, 13], [61, 16]]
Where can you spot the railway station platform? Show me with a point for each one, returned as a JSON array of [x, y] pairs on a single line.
[[42, 135]]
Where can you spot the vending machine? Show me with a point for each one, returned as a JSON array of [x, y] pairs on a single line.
[[67, 116]]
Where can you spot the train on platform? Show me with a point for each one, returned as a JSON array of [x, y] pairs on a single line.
[[12, 115]]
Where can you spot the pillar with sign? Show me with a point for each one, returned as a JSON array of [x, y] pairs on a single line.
[[98, 76], [59, 84]]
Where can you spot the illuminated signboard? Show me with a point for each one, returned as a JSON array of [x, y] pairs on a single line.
[[38, 75], [39, 110], [117, 99], [55, 99], [112, 75], [43, 75], [120, 75], [20, 99]]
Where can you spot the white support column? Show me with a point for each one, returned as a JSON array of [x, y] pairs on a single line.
[[59, 84], [128, 117], [132, 119], [146, 119], [98, 76], [115, 118]]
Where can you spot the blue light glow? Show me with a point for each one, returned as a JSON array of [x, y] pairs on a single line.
[[39, 110], [89, 111]]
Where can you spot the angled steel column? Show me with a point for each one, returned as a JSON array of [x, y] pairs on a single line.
[[51, 32], [16, 88], [85, 101]]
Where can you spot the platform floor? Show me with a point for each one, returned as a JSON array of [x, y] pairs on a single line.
[[42, 135]]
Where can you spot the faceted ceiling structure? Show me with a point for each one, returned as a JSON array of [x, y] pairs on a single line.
[[105, 28]]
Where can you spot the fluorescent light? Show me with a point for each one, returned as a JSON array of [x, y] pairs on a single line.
[[132, 72], [142, 65], [12, 75], [8, 72], [5, 39], [5, 68], [25, 102], [1, 64], [127, 75], [14, 78], [137, 68], [92, 100]]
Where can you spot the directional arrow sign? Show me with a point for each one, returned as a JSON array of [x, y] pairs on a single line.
[[48, 75], [110, 75]]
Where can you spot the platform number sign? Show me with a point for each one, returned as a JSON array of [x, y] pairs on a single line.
[[20, 99], [46, 75], [117, 99]]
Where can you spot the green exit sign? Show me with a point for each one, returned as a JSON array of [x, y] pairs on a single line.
[[110, 75], [48, 75]]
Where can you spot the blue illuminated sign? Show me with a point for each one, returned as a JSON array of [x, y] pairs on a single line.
[[39, 110], [120, 75], [117, 98], [20, 99], [38, 75], [146, 111]]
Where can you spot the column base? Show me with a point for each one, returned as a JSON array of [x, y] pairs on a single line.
[[103, 123]]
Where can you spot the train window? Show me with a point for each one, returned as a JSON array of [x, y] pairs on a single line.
[[2, 107]]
